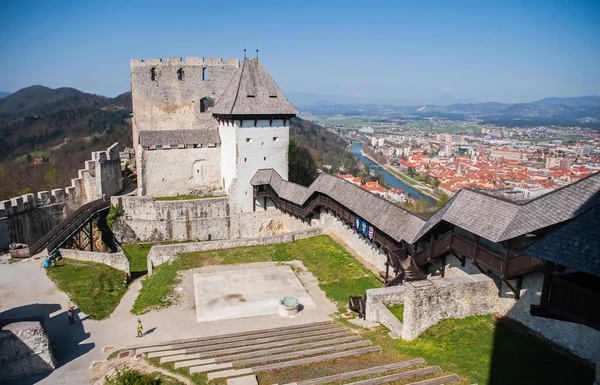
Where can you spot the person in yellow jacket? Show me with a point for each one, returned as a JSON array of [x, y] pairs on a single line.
[[140, 329]]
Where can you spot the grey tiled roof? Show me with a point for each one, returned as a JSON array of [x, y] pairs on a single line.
[[177, 137], [386, 216], [485, 215], [498, 220], [576, 244], [253, 92]]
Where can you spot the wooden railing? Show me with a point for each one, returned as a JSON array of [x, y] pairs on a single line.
[[59, 233], [513, 267]]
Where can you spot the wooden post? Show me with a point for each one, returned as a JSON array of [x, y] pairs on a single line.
[[475, 248], [548, 269], [91, 236], [506, 256]]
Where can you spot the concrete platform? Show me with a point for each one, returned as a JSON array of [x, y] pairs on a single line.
[[246, 293]]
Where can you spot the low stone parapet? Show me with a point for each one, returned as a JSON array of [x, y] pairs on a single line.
[[162, 253], [427, 302], [25, 350], [386, 296], [117, 260]]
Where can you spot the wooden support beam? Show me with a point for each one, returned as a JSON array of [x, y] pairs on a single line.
[[548, 271], [462, 260], [517, 290]]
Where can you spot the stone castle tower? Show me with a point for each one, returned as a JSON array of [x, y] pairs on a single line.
[[207, 125]]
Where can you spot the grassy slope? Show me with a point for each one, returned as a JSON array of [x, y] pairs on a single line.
[[95, 288], [479, 349], [338, 272]]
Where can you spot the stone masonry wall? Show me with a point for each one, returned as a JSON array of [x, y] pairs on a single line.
[[169, 172], [117, 260], [393, 295], [579, 339], [32, 216], [367, 250], [162, 253], [25, 350], [146, 219], [429, 301]]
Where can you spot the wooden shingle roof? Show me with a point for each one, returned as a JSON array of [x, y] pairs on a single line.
[[488, 216], [252, 91]]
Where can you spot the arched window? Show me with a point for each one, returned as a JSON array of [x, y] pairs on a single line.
[[204, 73], [153, 74], [180, 74], [206, 103]]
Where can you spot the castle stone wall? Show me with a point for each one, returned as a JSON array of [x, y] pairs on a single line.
[[163, 253], [579, 339], [25, 350], [30, 216], [197, 219], [117, 260], [427, 302], [4, 234], [169, 172], [367, 250]]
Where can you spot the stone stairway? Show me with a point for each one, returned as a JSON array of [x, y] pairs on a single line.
[[248, 353]]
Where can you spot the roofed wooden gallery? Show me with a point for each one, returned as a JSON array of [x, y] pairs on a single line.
[[501, 238]]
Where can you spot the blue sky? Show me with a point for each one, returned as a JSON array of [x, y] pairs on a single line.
[[509, 51]]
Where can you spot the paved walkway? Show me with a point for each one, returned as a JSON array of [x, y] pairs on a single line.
[[27, 291]]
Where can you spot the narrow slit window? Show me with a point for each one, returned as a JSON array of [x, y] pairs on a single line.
[[153, 74], [180, 74], [204, 73], [275, 139], [273, 96], [250, 96], [248, 140], [245, 159], [265, 158]]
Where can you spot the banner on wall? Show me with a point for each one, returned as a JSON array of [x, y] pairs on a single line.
[[357, 223], [370, 232], [363, 228]]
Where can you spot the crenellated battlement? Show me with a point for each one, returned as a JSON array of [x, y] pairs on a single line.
[[189, 61], [74, 195]]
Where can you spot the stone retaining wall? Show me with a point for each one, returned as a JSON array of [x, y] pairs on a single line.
[[117, 260], [380, 313], [386, 296], [162, 253], [367, 250], [25, 350], [427, 302]]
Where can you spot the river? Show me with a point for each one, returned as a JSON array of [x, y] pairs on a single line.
[[387, 176]]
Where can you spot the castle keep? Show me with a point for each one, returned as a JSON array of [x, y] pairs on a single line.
[[201, 127]]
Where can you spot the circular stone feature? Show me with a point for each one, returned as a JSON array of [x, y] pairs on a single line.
[[288, 307]]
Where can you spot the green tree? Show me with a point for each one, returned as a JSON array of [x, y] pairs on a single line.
[[442, 201], [51, 178], [302, 166], [29, 158]]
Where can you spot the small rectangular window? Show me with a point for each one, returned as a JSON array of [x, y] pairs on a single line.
[[245, 159], [265, 158], [248, 140], [275, 139], [273, 96]]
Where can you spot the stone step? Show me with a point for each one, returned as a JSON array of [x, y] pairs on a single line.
[[181, 344], [438, 380], [264, 352], [400, 376], [344, 336], [249, 333], [286, 364], [363, 372], [280, 357], [219, 345]]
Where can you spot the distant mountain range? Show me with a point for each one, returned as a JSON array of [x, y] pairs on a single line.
[[579, 111], [306, 99], [38, 117], [4, 94]]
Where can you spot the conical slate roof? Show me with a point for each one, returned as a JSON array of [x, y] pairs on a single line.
[[253, 92]]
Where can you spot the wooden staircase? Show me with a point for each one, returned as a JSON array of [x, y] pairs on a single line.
[[249, 353]]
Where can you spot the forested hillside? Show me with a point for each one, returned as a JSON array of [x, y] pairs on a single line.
[[59, 126]]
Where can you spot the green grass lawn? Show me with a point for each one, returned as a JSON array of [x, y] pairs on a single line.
[[485, 350], [397, 311], [95, 288], [138, 255], [339, 274]]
